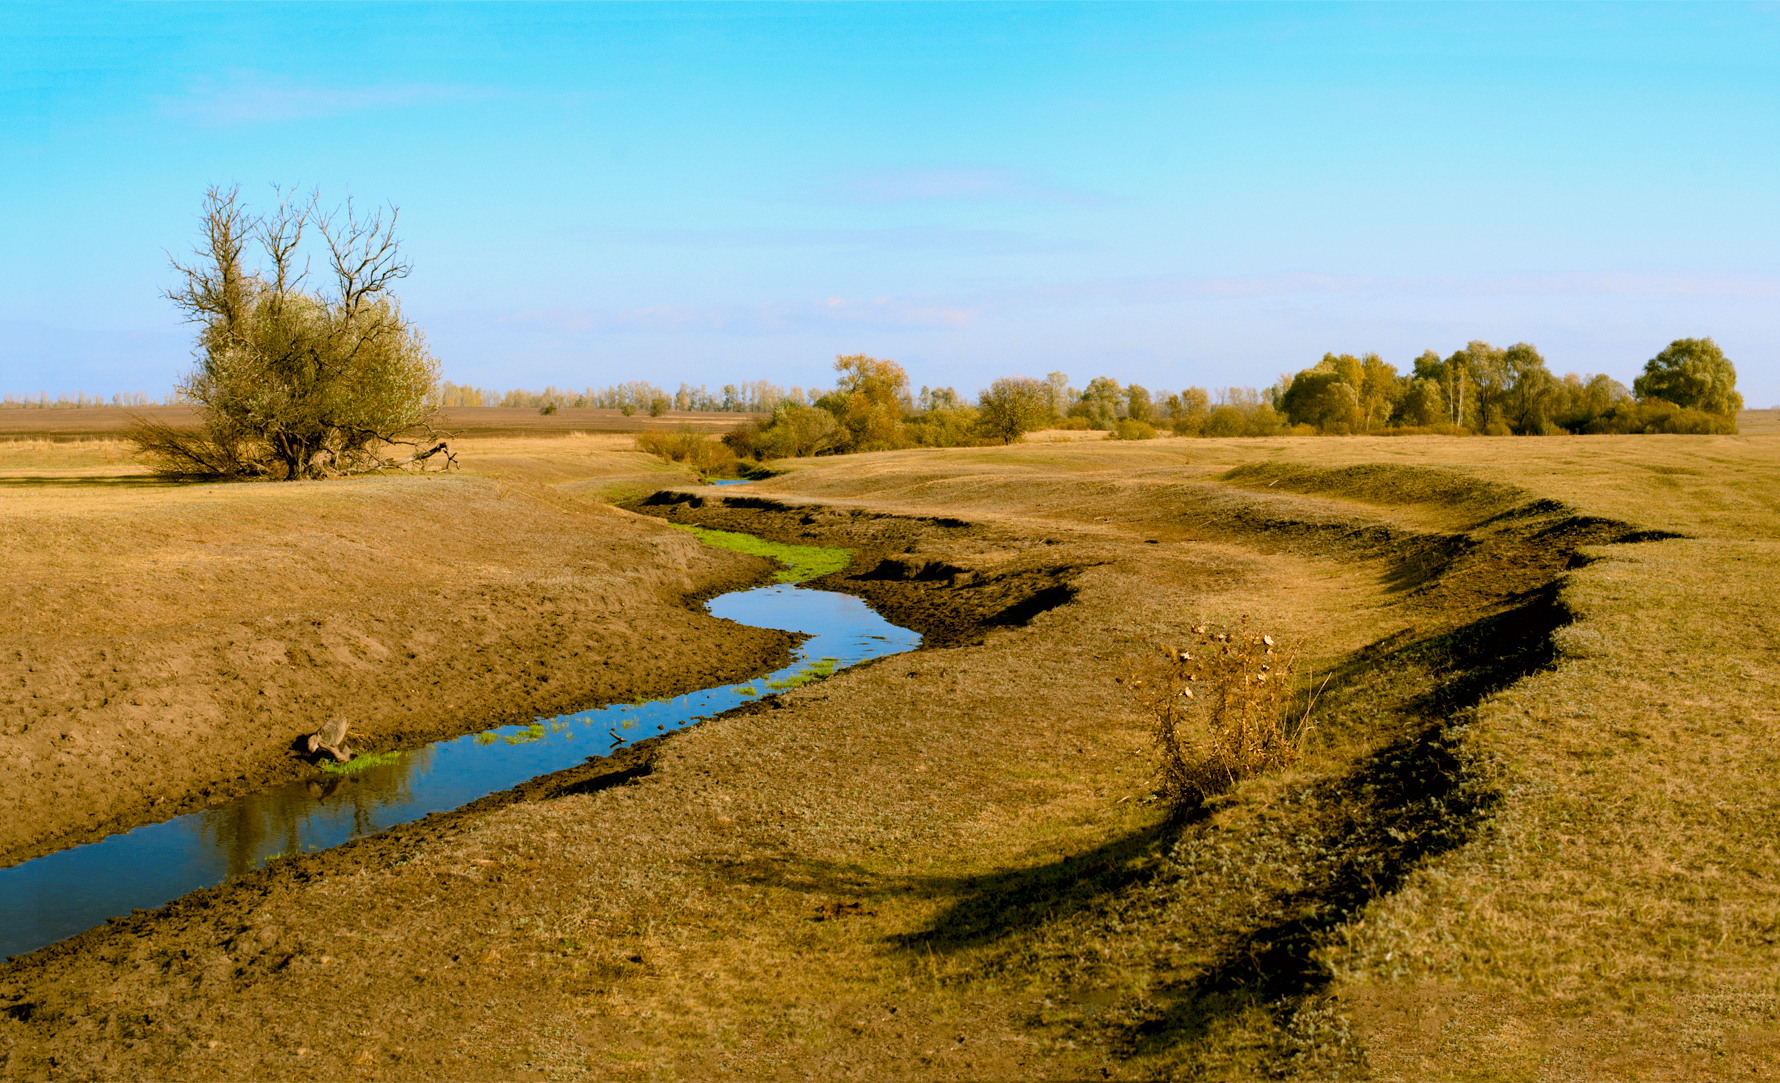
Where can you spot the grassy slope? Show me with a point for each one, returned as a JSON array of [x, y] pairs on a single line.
[[161, 644], [1591, 896], [1619, 915]]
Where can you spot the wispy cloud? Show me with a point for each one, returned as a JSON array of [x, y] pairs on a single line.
[[888, 313], [1162, 288], [957, 311], [881, 313], [958, 184], [255, 97], [902, 239]]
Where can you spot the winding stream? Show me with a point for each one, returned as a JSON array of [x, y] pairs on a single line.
[[58, 895]]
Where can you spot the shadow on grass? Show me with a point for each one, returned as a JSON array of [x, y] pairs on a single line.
[[75, 481], [1417, 795]]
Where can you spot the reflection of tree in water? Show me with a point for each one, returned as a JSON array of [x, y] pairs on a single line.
[[294, 818]]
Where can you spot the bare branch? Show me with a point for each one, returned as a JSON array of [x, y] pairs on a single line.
[[363, 254], [280, 233], [215, 283]]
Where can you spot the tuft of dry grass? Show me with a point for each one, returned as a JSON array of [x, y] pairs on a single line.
[[1221, 711]]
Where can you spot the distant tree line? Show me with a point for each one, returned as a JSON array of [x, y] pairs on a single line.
[[1690, 387], [82, 400], [872, 408], [637, 396]]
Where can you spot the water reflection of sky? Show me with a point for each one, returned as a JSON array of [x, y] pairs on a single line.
[[58, 895]]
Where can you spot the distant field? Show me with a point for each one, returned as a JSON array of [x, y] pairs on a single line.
[[99, 421], [1759, 422]]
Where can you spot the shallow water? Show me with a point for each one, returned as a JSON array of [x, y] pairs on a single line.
[[60, 894]]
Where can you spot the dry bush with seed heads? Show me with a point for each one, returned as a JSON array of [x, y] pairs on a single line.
[[1222, 709]]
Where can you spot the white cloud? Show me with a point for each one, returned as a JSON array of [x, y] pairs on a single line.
[[881, 313]]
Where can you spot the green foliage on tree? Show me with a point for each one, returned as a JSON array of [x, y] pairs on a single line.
[[868, 402], [1138, 405], [1530, 398], [1101, 404], [1191, 408], [1012, 407], [293, 382], [793, 432], [1486, 389], [1694, 374], [1060, 393], [1322, 397]]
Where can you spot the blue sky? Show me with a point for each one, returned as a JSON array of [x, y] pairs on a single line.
[[1178, 195]]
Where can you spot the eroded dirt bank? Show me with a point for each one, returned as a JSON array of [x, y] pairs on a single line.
[[161, 648], [942, 865]]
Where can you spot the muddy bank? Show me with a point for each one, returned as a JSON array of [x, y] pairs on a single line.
[[948, 579], [818, 881], [141, 683], [937, 866]]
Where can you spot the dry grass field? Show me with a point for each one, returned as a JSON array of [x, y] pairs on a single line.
[[1533, 836], [161, 644]]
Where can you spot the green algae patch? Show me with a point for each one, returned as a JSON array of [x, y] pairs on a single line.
[[797, 562], [362, 762]]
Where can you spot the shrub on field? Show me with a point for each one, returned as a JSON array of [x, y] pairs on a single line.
[[1256, 419], [944, 428], [1014, 406], [1221, 710], [1654, 416], [692, 447], [291, 382], [1130, 429]]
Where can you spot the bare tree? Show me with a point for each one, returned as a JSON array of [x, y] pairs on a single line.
[[294, 383]]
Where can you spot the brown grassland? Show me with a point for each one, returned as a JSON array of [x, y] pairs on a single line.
[[1534, 835]]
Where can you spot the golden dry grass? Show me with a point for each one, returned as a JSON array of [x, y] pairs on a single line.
[[162, 643], [1620, 896], [1532, 839]]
